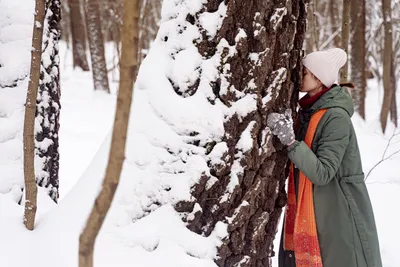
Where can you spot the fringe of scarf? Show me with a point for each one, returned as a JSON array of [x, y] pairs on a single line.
[[300, 229]]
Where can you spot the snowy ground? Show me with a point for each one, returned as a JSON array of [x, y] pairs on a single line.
[[160, 239]]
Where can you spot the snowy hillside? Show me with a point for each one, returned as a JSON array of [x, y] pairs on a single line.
[[142, 229]]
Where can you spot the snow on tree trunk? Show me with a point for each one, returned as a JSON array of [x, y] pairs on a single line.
[[48, 105], [233, 62], [78, 35], [96, 45]]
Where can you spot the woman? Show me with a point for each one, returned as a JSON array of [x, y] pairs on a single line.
[[329, 219]]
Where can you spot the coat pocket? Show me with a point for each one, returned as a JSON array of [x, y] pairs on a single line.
[[346, 184]]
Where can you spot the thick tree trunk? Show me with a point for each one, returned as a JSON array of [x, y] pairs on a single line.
[[128, 68], [96, 45], [78, 35], [358, 55], [387, 62], [29, 122], [48, 104], [260, 45], [345, 37]]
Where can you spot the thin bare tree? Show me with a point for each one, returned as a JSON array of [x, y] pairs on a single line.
[[128, 66], [345, 37], [387, 62], [29, 121]]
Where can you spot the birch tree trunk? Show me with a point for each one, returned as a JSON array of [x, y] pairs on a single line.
[[29, 121], [128, 66]]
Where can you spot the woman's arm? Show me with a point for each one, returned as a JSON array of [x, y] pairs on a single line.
[[322, 166]]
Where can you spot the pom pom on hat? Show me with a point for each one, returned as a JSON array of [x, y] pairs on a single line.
[[325, 65]]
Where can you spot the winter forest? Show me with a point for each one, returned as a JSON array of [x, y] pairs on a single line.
[[134, 132]]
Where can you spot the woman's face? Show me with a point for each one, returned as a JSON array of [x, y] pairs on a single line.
[[310, 82]]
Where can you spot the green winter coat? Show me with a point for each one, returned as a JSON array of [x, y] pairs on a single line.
[[345, 220]]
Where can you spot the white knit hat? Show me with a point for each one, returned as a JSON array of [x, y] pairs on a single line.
[[325, 64]]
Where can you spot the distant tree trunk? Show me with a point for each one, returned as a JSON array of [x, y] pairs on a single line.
[[130, 39], [259, 49], [334, 17], [345, 37], [96, 45], [29, 122], [311, 43], [48, 104], [78, 35], [393, 107], [358, 55], [387, 62], [149, 19], [65, 23]]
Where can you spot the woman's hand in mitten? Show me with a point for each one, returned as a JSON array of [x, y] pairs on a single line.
[[281, 125]]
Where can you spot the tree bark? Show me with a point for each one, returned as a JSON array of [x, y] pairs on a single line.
[[358, 55], [128, 68], [78, 35], [268, 37], [48, 104], [345, 37], [29, 121], [387, 62], [96, 45]]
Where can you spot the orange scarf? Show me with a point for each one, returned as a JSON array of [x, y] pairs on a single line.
[[300, 227]]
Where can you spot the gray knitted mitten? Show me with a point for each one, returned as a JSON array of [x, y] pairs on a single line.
[[281, 125]]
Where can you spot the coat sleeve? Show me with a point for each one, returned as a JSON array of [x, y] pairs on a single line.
[[321, 167]]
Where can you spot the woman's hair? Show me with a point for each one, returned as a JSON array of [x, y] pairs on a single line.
[[348, 85]]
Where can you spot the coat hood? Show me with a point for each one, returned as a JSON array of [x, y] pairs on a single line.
[[336, 97]]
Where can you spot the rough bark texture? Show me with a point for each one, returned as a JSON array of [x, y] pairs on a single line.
[[29, 122], [253, 208], [78, 35], [345, 37], [358, 55], [387, 62], [96, 45], [48, 104], [128, 68]]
